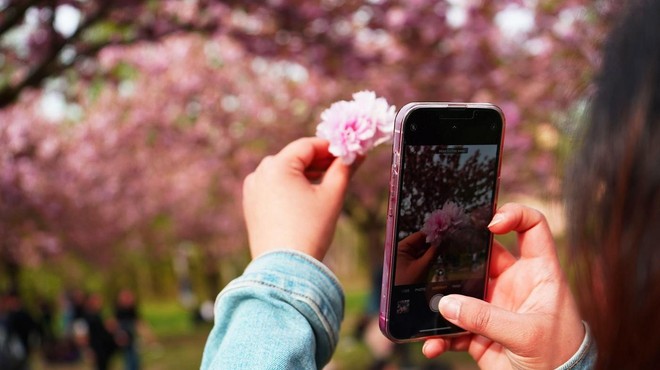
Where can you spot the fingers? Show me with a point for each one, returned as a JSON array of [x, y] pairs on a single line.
[[534, 234], [319, 164], [434, 347], [337, 177], [303, 153], [310, 156], [500, 260], [413, 241], [510, 329]]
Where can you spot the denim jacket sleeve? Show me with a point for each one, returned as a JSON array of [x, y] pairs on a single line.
[[284, 312], [585, 357]]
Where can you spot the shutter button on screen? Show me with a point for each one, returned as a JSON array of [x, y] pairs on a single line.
[[435, 300]]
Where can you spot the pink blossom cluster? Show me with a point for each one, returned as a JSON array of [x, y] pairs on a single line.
[[355, 127], [442, 222]]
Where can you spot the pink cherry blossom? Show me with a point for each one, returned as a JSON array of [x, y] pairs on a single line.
[[442, 222], [355, 127]]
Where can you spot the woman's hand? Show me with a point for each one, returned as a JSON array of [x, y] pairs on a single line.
[[532, 320], [293, 199]]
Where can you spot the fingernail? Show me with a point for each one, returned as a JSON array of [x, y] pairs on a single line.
[[450, 308], [424, 347], [496, 220]]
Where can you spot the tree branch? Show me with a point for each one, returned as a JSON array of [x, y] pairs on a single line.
[[50, 66], [41, 70], [13, 15]]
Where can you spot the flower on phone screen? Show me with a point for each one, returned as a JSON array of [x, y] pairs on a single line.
[[441, 223], [355, 127]]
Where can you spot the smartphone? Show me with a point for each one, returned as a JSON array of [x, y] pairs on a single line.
[[443, 189]]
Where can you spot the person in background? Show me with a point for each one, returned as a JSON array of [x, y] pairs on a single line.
[[74, 309], [72, 312], [20, 330], [100, 334], [21, 324], [128, 318], [46, 322]]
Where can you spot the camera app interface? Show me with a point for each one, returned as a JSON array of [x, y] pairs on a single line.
[[445, 205]]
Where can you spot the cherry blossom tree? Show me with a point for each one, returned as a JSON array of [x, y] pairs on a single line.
[[131, 124], [157, 162]]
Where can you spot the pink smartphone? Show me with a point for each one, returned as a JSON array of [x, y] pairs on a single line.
[[443, 189]]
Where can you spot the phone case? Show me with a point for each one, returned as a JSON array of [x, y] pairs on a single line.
[[390, 238]]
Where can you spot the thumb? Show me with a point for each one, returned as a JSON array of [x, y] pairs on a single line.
[[337, 177], [497, 324]]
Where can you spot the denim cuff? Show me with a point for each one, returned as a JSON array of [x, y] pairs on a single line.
[[306, 284], [585, 357]]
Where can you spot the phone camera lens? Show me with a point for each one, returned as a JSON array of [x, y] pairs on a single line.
[[493, 126], [413, 127]]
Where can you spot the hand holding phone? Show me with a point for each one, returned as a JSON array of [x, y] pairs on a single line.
[[531, 320], [444, 179]]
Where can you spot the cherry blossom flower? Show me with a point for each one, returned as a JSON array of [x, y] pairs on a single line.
[[355, 127], [442, 222]]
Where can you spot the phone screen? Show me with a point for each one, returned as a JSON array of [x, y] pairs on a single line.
[[447, 185]]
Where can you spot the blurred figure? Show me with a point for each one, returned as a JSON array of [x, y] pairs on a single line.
[[66, 349], [74, 309], [204, 313], [128, 319], [46, 322], [99, 334], [12, 353], [19, 329]]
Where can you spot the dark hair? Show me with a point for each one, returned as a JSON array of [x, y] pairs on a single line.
[[613, 197]]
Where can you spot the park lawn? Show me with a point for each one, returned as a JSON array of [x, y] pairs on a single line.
[[180, 342]]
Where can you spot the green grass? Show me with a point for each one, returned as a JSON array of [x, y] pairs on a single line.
[[353, 354], [167, 318], [177, 352], [179, 343]]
